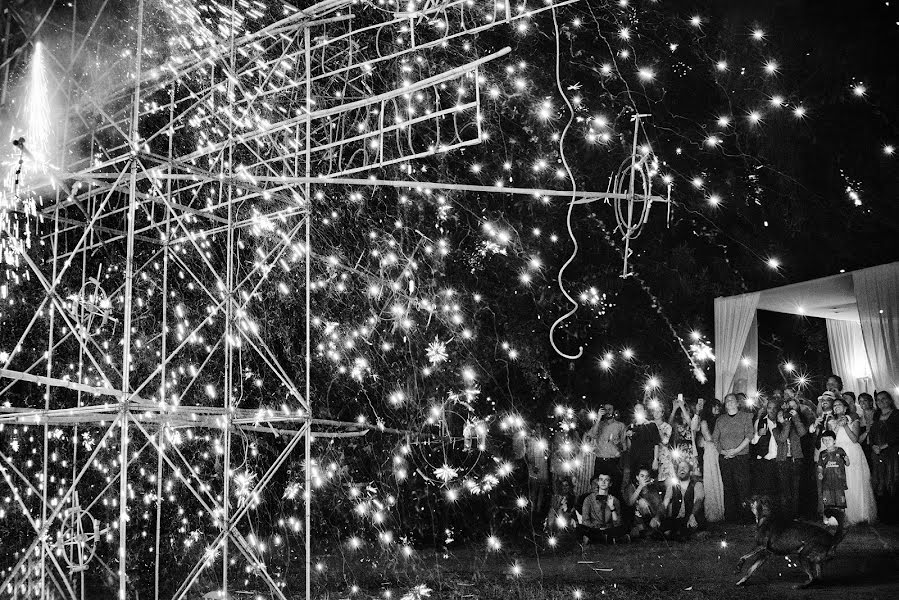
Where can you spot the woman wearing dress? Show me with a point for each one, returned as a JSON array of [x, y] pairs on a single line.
[[681, 444], [706, 415], [661, 463], [586, 460], [861, 506], [883, 437]]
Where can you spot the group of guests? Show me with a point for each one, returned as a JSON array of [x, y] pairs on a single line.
[[672, 472]]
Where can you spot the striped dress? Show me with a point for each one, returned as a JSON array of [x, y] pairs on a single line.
[[584, 463]]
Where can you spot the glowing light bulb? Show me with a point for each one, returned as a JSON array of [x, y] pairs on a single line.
[[646, 74]]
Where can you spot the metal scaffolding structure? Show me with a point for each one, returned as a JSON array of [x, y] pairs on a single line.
[[166, 216]]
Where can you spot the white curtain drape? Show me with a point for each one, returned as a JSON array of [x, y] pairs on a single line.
[[848, 358], [734, 320], [746, 379], [877, 295]]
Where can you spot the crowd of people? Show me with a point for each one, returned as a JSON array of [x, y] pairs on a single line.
[[671, 472]]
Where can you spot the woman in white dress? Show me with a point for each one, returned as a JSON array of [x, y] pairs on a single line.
[[704, 422], [861, 506]]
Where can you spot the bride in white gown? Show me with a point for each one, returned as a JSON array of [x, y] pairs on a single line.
[[861, 506]]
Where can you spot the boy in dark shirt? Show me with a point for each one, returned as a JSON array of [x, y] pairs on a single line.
[[832, 463]]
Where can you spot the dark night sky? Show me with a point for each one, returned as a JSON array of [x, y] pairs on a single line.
[[824, 48]]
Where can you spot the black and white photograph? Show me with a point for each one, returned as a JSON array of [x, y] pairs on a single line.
[[449, 299]]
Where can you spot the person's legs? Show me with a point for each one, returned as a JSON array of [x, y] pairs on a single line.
[[808, 487], [674, 528], [615, 533], [764, 478], [755, 476], [796, 466], [785, 483], [739, 469], [593, 535], [731, 501]]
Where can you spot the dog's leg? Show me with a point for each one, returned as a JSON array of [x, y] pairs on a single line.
[[810, 570], [750, 556], [758, 563]]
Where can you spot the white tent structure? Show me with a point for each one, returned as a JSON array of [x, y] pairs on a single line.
[[862, 313]]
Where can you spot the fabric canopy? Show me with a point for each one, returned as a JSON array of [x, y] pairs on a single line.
[[862, 313], [847, 354], [877, 290], [734, 318]]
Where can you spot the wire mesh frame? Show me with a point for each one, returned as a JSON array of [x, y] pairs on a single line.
[[41, 557], [146, 179]]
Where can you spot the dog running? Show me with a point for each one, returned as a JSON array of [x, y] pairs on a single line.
[[813, 545]]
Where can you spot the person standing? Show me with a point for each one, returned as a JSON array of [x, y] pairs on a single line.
[[682, 443], [643, 436], [764, 446], [661, 463], [832, 464], [585, 461], [790, 458], [865, 409], [884, 440], [819, 426], [538, 470], [834, 385], [808, 495], [711, 471], [861, 507], [733, 432], [610, 442]]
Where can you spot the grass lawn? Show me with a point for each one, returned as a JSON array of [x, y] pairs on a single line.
[[866, 566]]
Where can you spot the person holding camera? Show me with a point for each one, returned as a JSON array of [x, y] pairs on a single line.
[[788, 435]]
